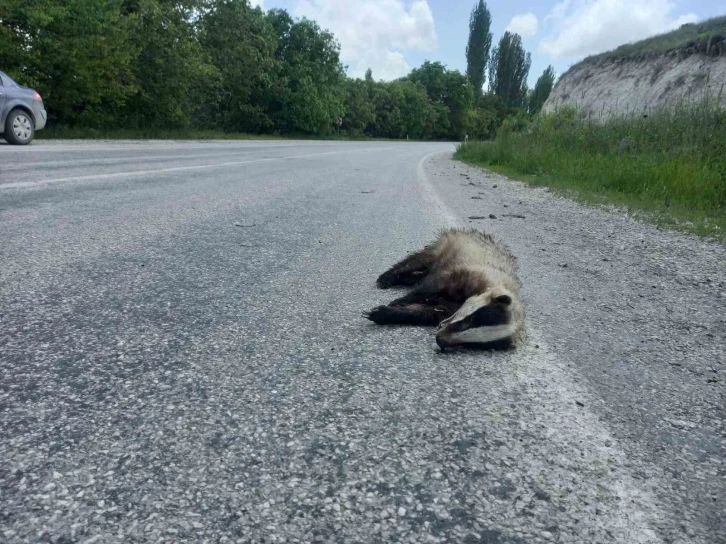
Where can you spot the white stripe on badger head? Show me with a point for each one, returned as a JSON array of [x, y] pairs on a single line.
[[485, 334]]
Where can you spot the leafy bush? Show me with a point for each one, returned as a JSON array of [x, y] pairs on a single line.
[[519, 121]]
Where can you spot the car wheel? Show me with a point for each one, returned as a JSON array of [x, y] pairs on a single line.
[[19, 128]]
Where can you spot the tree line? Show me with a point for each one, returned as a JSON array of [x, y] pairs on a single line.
[[225, 65]]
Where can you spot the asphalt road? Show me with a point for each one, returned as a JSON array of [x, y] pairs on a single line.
[[183, 357]]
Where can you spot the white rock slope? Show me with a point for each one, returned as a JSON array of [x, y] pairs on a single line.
[[638, 85]]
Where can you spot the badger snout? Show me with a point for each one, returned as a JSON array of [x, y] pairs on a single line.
[[443, 341], [444, 324], [446, 334]]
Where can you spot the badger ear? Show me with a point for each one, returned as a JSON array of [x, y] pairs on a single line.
[[503, 299]]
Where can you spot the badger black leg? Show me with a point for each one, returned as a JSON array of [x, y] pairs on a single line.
[[424, 305], [409, 314], [419, 296], [410, 271]]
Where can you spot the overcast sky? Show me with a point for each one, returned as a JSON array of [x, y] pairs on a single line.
[[393, 36]]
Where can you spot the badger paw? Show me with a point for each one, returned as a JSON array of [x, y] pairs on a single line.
[[386, 281], [381, 314]]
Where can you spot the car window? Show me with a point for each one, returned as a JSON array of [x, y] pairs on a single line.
[[1, 81], [7, 81]]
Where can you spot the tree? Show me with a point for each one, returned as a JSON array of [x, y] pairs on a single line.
[[480, 42], [542, 90], [309, 91], [241, 43], [418, 116], [173, 72], [508, 71], [359, 111], [222, 64], [387, 105], [486, 117], [76, 53], [451, 95]]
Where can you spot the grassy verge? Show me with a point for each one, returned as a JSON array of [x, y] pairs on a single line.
[[668, 168], [702, 36]]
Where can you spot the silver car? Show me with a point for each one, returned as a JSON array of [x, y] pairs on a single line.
[[21, 112]]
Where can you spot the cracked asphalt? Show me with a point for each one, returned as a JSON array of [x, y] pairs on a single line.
[[183, 357]]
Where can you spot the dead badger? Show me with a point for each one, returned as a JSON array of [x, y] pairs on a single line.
[[466, 283]]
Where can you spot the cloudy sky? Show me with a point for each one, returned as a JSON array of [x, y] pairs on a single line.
[[393, 36]]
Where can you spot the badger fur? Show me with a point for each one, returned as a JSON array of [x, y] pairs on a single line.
[[465, 282]]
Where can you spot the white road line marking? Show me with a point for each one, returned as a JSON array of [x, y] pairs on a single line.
[[633, 509], [101, 161], [431, 195], [629, 509], [24, 184], [45, 146]]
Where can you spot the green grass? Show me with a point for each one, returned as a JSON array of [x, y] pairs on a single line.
[[701, 35], [669, 168]]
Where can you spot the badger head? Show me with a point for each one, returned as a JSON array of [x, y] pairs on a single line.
[[488, 320]]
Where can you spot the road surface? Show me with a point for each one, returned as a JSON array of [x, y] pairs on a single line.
[[183, 356]]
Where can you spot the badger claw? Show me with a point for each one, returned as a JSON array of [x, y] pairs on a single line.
[[377, 313], [384, 282]]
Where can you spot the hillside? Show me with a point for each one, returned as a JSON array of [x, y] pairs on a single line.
[[680, 66]]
